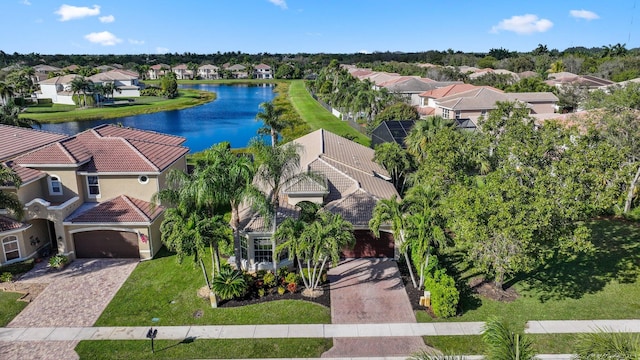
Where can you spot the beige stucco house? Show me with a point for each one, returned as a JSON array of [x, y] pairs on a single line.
[[58, 88], [351, 184], [88, 195]]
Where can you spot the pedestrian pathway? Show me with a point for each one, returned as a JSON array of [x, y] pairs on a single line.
[[304, 330]]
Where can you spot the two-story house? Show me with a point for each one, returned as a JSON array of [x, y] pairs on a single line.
[[158, 70], [89, 195], [125, 82], [262, 71], [350, 184], [182, 72], [208, 72]]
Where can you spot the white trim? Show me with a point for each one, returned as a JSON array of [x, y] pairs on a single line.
[[95, 228], [145, 251], [50, 184], [87, 173], [4, 251], [89, 194], [55, 165], [40, 201]]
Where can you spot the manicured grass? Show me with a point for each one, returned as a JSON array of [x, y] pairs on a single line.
[[473, 345], [318, 117], [142, 105], [601, 285], [204, 349], [162, 288], [9, 307]]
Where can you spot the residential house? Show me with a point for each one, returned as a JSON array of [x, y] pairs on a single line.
[[88, 195], [391, 131], [208, 72], [126, 82], [58, 89], [182, 72], [42, 71], [262, 71], [351, 184], [238, 71], [158, 70], [586, 81], [409, 88]]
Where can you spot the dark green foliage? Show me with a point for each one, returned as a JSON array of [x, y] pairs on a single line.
[[502, 343], [169, 85], [19, 267], [229, 284], [444, 294], [603, 345]]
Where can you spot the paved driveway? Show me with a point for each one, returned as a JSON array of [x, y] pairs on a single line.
[[75, 296], [365, 291]]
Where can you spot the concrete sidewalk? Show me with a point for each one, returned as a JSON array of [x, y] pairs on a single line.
[[304, 331]]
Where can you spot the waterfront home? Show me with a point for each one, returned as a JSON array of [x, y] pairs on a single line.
[[208, 72], [262, 71], [158, 70], [182, 72]]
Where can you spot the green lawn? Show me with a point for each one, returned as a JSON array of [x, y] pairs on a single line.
[[54, 113], [162, 288], [9, 307], [201, 349], [602, 285], [473, 345], [318, 117]]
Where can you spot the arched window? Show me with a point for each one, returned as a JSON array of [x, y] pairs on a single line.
[[55, 185], [11, 248]]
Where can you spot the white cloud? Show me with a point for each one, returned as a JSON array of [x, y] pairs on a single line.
[[280, 3], [136, 42], [26, 2], [70, 12], [104, 38], [584, 14], [107, 19], [162, 50], [525, 24]]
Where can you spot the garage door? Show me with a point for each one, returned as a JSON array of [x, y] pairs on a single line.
[[106, 244], [368, 246]]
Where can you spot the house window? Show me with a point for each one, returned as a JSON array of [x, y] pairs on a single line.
[[93, 187], [445, 113], [243, 248], [483, 113], [55, 185], [262, 250], [458, 114], [11, 248]]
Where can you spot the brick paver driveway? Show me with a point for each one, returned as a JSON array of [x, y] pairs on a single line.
[[75, 296], [365, 291]]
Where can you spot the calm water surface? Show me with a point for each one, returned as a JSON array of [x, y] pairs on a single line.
[[231, 117]]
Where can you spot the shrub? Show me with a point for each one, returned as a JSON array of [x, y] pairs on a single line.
[[58, 261], [444, 294], [292, 287], [229, 284], [6, 277], [269, 279], [260, 292], [283, 272], [281, 290], [19, 267], [292, 278]]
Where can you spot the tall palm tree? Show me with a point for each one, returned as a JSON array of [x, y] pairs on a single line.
[[423, 133], [6, 92], [9, 200], [81, 85], [271, 117], [392, 211], [227, 178]]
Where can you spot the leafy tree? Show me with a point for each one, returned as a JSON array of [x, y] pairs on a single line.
[[9, 200], [530, 84], [169, 85], [422, 134], [487, 62], [10, 115]]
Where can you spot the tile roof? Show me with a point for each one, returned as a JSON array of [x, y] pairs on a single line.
[[113, 75], [118, 150], [18, 140], [208, 66], [8, 224], [25, 174], [356, 208], [122, 209], [306, 186], [160, 67], [251, 221], [64, 79], [448, 90], [263, 66]]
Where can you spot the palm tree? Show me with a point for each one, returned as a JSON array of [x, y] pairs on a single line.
[[270, 116], [9, 200], [10, 115], [393, 211], [423, 133], [504, 344], [604, 344], [6, 92], [227, 178], [81, 85]]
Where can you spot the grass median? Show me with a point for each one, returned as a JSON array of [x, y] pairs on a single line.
[[10, 307]]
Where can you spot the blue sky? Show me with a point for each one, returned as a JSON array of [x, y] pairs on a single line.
[[312, 26]]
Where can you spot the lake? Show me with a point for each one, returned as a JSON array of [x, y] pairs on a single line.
[[230, 117]]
